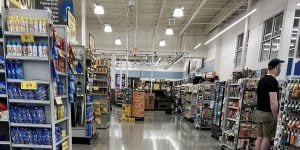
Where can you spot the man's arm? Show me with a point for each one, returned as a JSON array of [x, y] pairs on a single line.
[[274, 103]]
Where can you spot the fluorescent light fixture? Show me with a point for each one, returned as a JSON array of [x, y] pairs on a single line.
[[198, 45], [298, 4], [169, 31], [162, 43], [98, 10], [118, 41], [178, 12], [244, 17], [107, 28]]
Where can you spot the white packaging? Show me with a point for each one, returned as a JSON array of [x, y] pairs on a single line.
[[36, 25], [45, 50], [14, 48], [29, 49], [9, 49], [40, 49], [19, 49], [34, 50]]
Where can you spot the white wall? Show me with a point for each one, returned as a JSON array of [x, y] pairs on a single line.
[[226, 45]]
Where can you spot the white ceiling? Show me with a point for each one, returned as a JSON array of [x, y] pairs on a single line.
[[154, 15], [121, 16]]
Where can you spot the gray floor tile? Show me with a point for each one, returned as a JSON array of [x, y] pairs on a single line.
[[157, 132]]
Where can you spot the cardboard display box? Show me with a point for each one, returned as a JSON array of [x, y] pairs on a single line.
[[149, 100]]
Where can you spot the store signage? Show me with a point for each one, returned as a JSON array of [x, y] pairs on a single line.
[[28, 85], [58, 100], [27, 37], [72, 25], [22, 4], [59, 9], [135, 50], [91, 42]]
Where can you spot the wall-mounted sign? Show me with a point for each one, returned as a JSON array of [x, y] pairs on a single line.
[[91, 42], [22, 4], [72, 25]]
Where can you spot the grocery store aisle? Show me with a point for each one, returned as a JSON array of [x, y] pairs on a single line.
[[158, 132]]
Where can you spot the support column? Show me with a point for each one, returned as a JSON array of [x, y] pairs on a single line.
[[83, 22], [245, 38]]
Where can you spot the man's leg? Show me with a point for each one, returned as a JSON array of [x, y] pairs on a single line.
[[265, 144], [258, 143]]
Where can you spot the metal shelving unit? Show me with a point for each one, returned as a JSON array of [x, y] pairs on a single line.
[[38, 71], [204, 116], [83, 84], [4, 123], [239, 106], [101, 93]]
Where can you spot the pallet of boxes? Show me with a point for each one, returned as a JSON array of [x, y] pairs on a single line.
[[126, 114]]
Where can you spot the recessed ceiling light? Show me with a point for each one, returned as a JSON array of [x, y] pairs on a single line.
[[298, 4], [98, 10], [162, 43], [178, 12], [169, 31], [107, 28], [118, 41]]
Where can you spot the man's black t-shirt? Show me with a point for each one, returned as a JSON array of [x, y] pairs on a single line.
[[265, 85]]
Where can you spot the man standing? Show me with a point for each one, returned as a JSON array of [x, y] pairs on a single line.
[[267, 105]]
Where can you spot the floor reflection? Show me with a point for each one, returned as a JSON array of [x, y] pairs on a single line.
[[157, 132]]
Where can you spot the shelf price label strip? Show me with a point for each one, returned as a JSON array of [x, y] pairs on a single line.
[[27, 37], [29, 85]]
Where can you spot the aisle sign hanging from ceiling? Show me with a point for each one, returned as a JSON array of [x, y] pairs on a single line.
[[72, 25]]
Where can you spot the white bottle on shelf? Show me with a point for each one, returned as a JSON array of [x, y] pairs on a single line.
[[34, 50], [9, 48], [30, 49], [13, 48], [40, 49]]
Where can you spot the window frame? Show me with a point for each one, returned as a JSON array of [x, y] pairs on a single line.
[[272, 36], [240, 49]]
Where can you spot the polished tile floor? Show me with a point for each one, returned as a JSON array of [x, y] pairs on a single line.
[[157, 132]]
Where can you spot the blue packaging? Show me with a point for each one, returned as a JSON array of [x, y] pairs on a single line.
[[12, 70], [2, 87], [9, 91], [8, 69], [19, 70], [54, 51], [47, 137]]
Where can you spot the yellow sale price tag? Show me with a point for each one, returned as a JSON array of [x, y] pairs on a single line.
[[58, 100], [96, 88], [27, 37], [28, 85]]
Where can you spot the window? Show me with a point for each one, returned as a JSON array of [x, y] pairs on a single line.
[[271, 38], [238, 52], [239, 48]]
